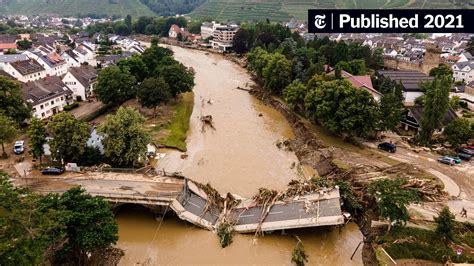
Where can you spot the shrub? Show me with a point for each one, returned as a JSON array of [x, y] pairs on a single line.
[[69, 107]]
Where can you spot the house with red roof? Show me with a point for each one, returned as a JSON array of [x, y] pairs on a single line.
[[362, 82]]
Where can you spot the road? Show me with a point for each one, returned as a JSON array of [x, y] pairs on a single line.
[[196, 205], [290, 211]]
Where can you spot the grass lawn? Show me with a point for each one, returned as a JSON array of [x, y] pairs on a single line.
[[171, 128], [416, 243]]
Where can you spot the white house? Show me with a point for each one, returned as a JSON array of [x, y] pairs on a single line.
[[47, 96], [81, 80], [72, 60], [26, 70], [464, 57], [464, 71], [53, 63]]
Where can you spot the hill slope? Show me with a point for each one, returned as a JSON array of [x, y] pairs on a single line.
[[280, 10], [75, 7]]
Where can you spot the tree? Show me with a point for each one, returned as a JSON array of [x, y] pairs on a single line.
[[257, 60], [357, 67], [114, 86], [11, 100], [441, 70], [436, 105], [458, 131], [153, 56], [178, 77], [8, 132], [277, 73], [37, 135], [288, 47], [341, 108], [69, 137], [376, 61], [124, 138], [392, 198], [24, 44], [27, 230], [294, 95], [455, 102], [391, 109], [445, 224], [128, 22], [240, 43], [135, 66], [152, 92], [90, 225]]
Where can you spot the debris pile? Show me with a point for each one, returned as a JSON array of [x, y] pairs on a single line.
[[206, 121], [225, 231]]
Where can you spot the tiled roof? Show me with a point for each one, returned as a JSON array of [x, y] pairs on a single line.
[[410, 79], [27, 67], [360, 81], [417, 112], [12, 58], [84, 74], [41, 90]]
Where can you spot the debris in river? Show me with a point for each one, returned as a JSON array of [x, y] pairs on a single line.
[[206, 120], [299, 256], [225, 231]]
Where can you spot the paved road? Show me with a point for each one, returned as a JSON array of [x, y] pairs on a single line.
[[290, 211], [195, 205]]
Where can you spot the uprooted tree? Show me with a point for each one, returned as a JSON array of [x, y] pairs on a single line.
[[299, 256], [392, 196]]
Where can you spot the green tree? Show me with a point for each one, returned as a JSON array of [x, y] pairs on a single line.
[[436, 105], [114, 86], [11, 100], [277, 73], [152, 92], [257, 60], [24, 44], [357, 67], [27, 230], [341, 108], [90, 225], [240, 44], [125, 139], [458, 131], [294, 95], [455, 102], [152, 56], [69, 137], [377, 61], [441, 70], [135, 66], [391, 109], [37, 135], [8, 132], [445, 224], [128, 22], [178, 77], [392, 198]]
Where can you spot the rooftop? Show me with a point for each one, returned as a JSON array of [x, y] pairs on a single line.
[[44, 89], [27, 67], [84, 74], [410, 79]]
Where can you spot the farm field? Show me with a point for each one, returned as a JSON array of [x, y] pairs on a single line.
[[283, 10], [75, 7]]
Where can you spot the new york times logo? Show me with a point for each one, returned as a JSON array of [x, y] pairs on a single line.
[[390, 21], [320, 21]]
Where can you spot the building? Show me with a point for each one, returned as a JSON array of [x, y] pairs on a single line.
[[464, 71], [223, 36], [81, 81], [72, 60], [174, 31], [47, 96], [362, 82], [414, 114], [207, 28], [26, 70], [8, 58], [53, 63], [107, 60], [411, 83]]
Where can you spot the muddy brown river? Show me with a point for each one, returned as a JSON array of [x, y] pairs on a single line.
[[238, 156]]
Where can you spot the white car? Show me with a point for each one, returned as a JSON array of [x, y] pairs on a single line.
[[19, 147]]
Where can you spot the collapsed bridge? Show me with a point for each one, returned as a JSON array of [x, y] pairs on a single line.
[[192, 202]]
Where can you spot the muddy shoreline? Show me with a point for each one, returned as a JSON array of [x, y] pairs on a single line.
[[313, 152]]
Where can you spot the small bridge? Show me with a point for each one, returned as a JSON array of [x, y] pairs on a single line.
[[190, 203]]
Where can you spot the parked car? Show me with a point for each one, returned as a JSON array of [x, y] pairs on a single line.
[[447, 160], [464, 156], [52, 171], [19, 147], [390, 147], [465, 150], [456, 158]]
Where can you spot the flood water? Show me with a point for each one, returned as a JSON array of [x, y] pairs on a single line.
[[239, 156]]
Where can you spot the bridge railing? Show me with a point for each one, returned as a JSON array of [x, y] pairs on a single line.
[[118, 195]]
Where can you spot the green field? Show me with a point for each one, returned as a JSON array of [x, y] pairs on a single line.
[[283, 10], [75, 7]]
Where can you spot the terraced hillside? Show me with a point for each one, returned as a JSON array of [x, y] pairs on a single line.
[[75, 7], [280, 10]]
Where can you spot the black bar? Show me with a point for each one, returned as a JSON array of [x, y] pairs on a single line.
[[396, 21]]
